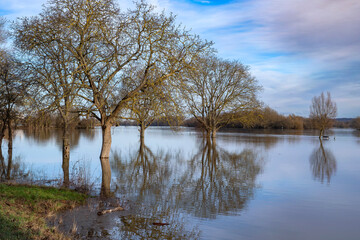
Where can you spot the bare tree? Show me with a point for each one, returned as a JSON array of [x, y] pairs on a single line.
[[2, 101], [105, 43], [322, 112], [216, 90], [3, 123], [56, 82], [12, 88], [153, 103]]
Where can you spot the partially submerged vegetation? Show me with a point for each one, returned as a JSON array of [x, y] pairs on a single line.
[[23, 210], [322, 112]]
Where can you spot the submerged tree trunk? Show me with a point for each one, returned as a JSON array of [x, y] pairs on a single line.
[[208, 134], [104, 159], [142, 143], [10, 148], [213, 159], [2, 160], [213, 133], [9, 166], [213, 137], [142, 131], [66, 156]]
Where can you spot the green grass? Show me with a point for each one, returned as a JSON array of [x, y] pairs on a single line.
[[36, 194], [10, 228], [23, 210]]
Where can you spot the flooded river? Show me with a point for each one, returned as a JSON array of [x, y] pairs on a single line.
[[246, 185]]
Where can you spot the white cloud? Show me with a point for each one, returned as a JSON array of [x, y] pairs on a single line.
[[313, 26], [347, 98]]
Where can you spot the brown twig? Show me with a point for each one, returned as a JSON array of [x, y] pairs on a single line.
[[110, 210]]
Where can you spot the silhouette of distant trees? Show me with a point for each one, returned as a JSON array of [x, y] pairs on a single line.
[[262, 118], [355, 123]]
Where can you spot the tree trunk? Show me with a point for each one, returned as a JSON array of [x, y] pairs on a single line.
[[213, 136], [142, 131], [2, 133], [210, 159], [142, 162], [213, 133], [66, 156], [142, 142], [208, 134], [10, 148], [104, 159], [2, 160], [214, 154]]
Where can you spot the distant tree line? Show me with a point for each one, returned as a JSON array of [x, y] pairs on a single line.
[[355, 123], [265, 118], [262, 118]]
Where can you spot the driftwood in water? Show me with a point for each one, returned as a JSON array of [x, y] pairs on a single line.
[[110, 210]]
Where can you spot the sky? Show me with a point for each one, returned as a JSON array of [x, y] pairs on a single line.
[[296, 49]]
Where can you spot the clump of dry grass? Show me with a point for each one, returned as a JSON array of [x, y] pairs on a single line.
[[80, 177]]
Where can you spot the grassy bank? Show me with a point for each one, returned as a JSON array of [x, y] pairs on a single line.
[[23, 210]]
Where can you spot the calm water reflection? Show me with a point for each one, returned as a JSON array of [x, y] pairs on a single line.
[[249, 185], [11, 167], [219, 181], [213, 181], [323, 163]]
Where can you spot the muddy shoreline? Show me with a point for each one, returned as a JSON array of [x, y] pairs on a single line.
[[84, 222]]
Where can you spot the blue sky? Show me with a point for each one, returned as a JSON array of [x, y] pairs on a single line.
[[295, 48]]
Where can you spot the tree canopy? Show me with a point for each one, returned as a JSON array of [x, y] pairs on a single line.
[[322, 112], [216, 90]]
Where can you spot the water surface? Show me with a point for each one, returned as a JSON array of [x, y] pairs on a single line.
[[249, 185]]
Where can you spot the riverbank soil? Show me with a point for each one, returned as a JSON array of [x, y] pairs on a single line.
[[24, 210]]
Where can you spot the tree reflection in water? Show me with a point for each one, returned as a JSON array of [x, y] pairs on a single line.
[[145, 178], [213, 181], [219, 182], [356, 133], [11, 167], [322, 163], [145, 224], [43, 136], [143, 174], [65, 139]]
